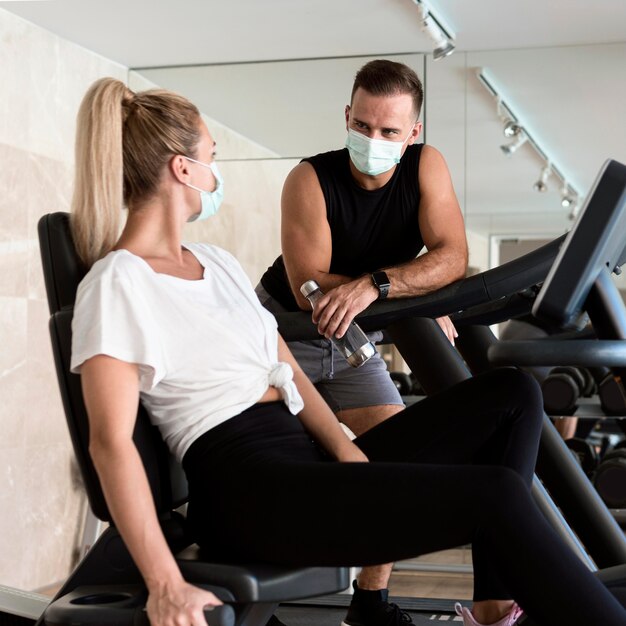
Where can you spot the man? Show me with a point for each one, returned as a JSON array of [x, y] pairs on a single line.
[[354, 220]]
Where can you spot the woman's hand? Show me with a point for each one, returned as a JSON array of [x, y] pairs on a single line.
[[181, 604], [351, 453]]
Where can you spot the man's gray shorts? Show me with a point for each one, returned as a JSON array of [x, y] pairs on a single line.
[[340, 384]]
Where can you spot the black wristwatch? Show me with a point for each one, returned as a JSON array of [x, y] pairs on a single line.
[[381, 282]]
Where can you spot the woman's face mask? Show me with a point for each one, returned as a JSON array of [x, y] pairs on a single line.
[[210, 200], [373, 156]]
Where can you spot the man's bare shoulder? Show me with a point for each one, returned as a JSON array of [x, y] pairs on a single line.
[[302, 190], [431, 157], [303, 173]]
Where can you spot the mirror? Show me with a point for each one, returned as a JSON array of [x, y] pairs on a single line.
[[570, 98], [293, 108]]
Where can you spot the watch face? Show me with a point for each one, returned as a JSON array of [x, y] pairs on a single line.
[[381, 281]]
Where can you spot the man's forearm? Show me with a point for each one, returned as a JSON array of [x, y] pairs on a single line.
[[428, 272]]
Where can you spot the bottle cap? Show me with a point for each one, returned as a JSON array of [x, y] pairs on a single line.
[[308, 288]]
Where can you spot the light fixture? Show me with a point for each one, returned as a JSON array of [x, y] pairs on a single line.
[[568, 197], [442, 38], [521, 133], [574, 210], [511, 148], [542, 182], [511, 129]]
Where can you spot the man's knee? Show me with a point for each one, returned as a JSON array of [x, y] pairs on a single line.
[[360, 420]]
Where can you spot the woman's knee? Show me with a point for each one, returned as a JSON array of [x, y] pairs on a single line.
[[519, 389]]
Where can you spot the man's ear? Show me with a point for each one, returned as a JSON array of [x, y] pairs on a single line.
[[417, 131], [179, 168], [347, 114]]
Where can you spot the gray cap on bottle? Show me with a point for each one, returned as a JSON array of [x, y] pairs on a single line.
[[308, 288]]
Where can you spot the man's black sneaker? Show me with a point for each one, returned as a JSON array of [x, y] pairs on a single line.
[[371, 608]]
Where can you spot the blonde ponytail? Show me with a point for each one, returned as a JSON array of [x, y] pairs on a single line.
[[123, 142], [98, 187]]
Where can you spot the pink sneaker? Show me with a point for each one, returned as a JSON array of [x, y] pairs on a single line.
[[508, 620]]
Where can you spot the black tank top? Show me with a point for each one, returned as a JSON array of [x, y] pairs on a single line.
[[369, 229]]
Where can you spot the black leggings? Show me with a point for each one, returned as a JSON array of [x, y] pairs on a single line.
[[453, 469]]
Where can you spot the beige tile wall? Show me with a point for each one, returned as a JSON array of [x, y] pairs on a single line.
[[42, 80]]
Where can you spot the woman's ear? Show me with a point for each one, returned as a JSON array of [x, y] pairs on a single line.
[[179, 168]]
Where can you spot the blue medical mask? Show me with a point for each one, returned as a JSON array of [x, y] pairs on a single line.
[[373, 156], [210, 200]]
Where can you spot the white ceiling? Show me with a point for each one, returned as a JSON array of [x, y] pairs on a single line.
[[574, 98], [153, 33]]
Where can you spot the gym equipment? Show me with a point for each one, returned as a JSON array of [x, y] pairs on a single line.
[[612, 395], [585, 453], [610, 477], [118, 606], [562, 388], [403, 382], [251, 591], [580, 280]]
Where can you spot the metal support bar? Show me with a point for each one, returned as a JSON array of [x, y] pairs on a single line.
[[429, 354], [579, 501], [582, 353], [558, 522], [434, 568]]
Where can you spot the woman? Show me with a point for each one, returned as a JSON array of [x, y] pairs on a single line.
[[179, 326]]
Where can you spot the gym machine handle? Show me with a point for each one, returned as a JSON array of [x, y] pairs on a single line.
[[582, 353], [117, 605]]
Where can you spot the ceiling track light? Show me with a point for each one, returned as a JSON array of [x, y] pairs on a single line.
[[568, 197], [511, 148], [542, 182], [442, 37], [511, 129], [514, 128]]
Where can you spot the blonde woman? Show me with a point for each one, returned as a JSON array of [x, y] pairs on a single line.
[[178, 327]]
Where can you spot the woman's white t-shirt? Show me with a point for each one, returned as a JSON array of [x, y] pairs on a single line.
[[206, 349]]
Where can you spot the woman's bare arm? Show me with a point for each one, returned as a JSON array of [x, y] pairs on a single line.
[[317, 417], [111, 393]]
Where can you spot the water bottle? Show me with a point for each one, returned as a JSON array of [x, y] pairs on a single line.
[[355, 346]]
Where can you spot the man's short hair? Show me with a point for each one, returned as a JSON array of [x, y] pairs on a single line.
[[388, 78]]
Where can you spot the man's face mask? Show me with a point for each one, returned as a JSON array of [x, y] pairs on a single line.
[[210, 200], [373, 156]]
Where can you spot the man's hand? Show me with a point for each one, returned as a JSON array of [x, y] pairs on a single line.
[[448, 328], [335, 311]]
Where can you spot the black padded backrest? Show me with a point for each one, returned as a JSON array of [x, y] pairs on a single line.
[[63, 272], [62, 269]]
